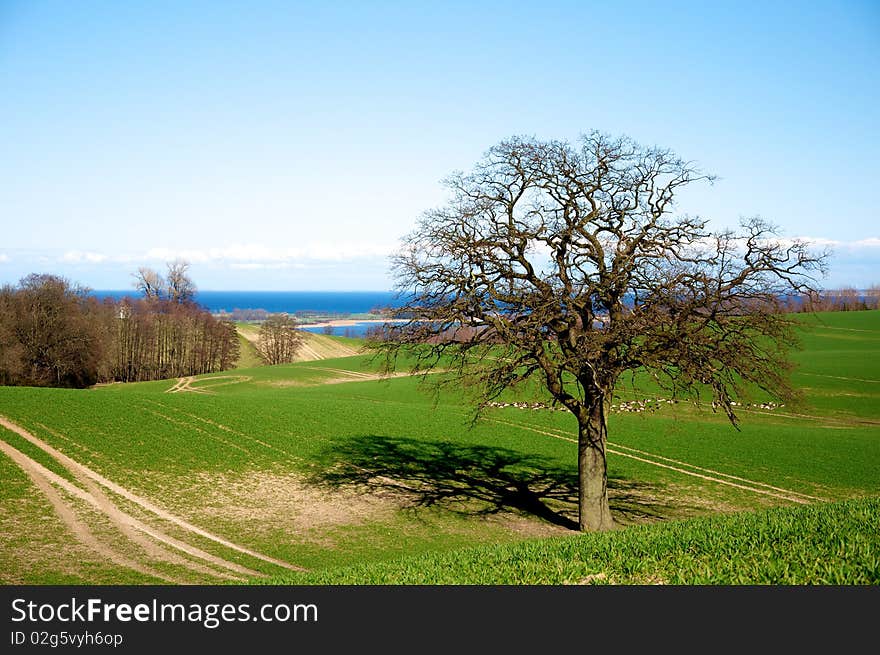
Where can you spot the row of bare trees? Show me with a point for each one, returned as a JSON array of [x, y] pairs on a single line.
[[51, 333], [846, 299], [54, 333], [157, 339]]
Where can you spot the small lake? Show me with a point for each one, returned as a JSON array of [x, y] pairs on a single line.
[[356, 331]]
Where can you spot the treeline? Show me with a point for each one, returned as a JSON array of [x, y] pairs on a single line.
[[158, 338], [847, 299], [54, 333]]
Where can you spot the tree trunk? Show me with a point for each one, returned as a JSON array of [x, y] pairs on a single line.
[[594, 513]]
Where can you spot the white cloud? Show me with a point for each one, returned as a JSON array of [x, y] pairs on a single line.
[[80, 257], [834, 244], [872, 242], [814, 241], [264, 266], [3, 258]]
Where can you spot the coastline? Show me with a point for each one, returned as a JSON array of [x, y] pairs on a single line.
[[346, 322]]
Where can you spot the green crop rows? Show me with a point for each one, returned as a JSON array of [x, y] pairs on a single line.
[[439, 484]]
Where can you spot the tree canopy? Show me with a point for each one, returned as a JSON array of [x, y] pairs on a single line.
[[279, 339], [567, 263]]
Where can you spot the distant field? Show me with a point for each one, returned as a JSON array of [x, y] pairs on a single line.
[[315, 346], [260, 472]]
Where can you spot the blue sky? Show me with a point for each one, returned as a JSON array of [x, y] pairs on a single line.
[[284, 145]]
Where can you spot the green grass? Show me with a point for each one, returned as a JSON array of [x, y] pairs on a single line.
[[285, 421], [248, 356], [33, 535], [827, 544]]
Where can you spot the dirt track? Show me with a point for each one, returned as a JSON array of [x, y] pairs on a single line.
[[696, 471], [133, 529], [43, 479], [185, 384], [314, 347]]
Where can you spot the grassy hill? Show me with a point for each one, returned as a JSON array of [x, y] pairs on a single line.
[[258, 473], [826, 543], [314, 347]]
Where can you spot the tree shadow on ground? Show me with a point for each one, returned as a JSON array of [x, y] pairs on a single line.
[[474, 480]]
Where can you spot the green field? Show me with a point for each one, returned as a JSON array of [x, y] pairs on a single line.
[[320, 472]]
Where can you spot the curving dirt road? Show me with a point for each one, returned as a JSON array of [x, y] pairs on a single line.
[[131, 527]]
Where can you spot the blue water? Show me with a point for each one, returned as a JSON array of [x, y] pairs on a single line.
[[356, 331], [323, 302]]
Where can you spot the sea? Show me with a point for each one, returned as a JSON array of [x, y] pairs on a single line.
[[341, 304], [320, 302]]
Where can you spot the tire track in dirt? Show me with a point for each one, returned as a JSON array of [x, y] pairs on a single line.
[[77, 468], [791, 496], [134, 529], [127, 524], [342, 371], [786, 494], [224, 428], [561, 435], [175, 421], [179, 384], [839, 377], [231, 379], [43, 479], [832, 327], [185, 384], [311, 355], [808, 497], [829, 421], [75, 444]]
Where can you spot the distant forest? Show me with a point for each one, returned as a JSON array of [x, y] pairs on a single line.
[[846, 299], [53, 333]]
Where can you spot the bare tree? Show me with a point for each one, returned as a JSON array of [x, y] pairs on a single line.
[[565, 263], [150, 283], [53, 332], [181, 288], [279, 339], [872, 296]]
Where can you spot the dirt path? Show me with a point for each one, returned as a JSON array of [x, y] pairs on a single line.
[[43, 479], [319, 346], [185, 384], [180, 385], [308, 354], [832, 327], [131, 527], [229, 379], [214, 437], [342, 371], [717, 476], [828, 421], [290, 456], [314, 347], [840, 377], [81, 470], [357, 376]]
